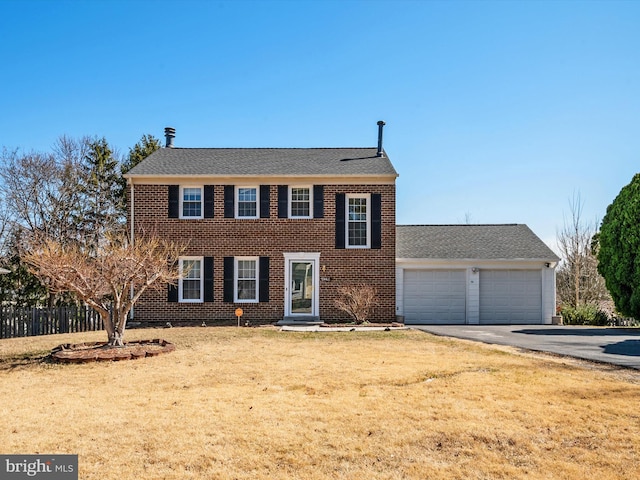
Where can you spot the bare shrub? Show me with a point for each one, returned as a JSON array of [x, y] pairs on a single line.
[[358, 301]]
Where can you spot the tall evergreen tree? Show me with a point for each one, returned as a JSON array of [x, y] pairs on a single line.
[[141, 150], [619, 249], [19, 287], [102, 211]]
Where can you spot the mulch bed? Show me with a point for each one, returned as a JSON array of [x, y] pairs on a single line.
[[101, 352]]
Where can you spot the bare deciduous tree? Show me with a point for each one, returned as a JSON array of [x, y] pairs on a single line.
[[577, 279], [111, 278], [41, 196], [358, 301], [68, 194], [5, 226]]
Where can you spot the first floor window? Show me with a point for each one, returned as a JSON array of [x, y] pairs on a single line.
[[247, 202], [191, 202], [246, 281], [358, 221], [190, 283]]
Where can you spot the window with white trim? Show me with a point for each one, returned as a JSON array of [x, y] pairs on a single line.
[[246, 279], [190, 284], [247, 202], [300, 201], [358, 221], [191, 202]]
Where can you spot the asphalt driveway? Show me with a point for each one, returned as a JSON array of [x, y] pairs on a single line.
[[617, 346]]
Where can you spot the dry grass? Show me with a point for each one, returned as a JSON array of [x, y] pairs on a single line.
[[258, 403]]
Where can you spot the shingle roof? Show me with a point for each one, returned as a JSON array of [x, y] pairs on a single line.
[[264, 161], [482, 242]]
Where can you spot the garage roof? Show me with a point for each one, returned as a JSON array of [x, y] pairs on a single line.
[[483, 242]]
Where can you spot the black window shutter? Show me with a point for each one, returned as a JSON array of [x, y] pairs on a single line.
[[172, 291], [376, 220], [227, 295], [318, 201], [174, 201], [283, 201], [208, 201], [229, 207], [263, 285], [340, 220], [208, 279], [264, 201]]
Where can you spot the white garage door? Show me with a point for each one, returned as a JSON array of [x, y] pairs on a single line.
[[510, 296], [434, 296]]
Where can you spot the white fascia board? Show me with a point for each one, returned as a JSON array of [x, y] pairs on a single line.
[[263, 179], [463, 263]]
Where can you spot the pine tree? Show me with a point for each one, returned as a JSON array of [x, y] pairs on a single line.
[[141, 150], [102, 211]]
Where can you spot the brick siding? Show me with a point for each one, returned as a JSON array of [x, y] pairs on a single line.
[[221, 237]]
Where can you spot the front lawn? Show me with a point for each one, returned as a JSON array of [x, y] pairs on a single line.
[[256, 403]]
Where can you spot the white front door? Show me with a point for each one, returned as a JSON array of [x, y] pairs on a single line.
[[302, 280]]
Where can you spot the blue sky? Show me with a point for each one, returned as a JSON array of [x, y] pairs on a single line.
[[496, 111]]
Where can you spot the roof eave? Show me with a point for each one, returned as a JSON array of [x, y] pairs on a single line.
[[477, 259], [272, 179]]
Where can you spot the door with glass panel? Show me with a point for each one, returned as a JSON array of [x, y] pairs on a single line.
[[302, 287]]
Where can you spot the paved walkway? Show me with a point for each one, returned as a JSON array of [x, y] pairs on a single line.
[[617, 346], [320, 328]]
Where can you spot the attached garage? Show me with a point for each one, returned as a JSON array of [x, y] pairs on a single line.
[[473, 274], [435, 296], [510, 297]]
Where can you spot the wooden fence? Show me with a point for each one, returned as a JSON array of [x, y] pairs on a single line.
[[27, 322]]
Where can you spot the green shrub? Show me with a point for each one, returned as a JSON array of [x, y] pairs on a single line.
[[585, 314]]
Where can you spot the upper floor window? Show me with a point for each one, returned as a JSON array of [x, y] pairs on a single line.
[[190, 285], [300, 202], [191, 202], [247, 202], [358, 221]]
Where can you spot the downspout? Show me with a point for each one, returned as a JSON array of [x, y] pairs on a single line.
[[132, 205], [131, 238]]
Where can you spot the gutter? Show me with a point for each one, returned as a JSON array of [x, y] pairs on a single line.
[[326, 179]]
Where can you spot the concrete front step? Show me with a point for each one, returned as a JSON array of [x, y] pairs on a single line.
[[300, 320]]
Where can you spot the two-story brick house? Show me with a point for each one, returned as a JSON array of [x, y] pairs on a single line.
[[275, 231]]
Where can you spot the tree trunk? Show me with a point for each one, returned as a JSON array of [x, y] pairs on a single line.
[[115, 339], [118, 322], [577, 283]]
